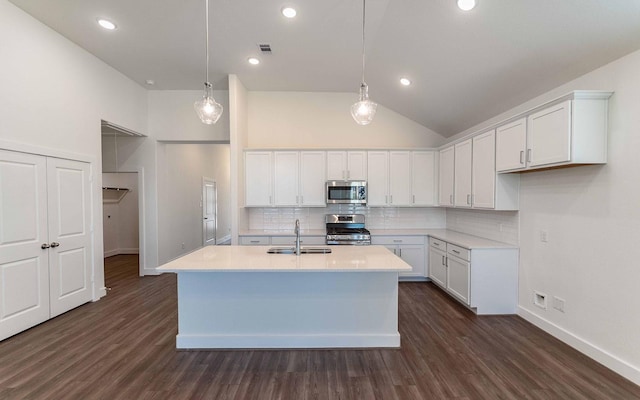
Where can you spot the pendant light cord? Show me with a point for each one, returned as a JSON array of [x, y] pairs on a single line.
[[363, 21], [206, 17]]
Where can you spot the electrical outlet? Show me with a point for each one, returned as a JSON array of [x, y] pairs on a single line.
[[544, 236], [558, 303], [540, 299]]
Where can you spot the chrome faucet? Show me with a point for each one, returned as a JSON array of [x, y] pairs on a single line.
[[297, 232]]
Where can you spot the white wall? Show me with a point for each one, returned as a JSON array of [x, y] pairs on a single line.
[[592, 216], [502, 226], [173, 118], [323, 120], [120, 220], [54, 95], [238, 133], [180, 171]]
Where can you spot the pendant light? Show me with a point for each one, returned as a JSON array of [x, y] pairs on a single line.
[[207, 108], [364, 109]]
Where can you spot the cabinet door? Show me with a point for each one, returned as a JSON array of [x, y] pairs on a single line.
[[438, 267], [550, 135], [462, 174], [414, 256], [286, 178], [258, 184], [24, 269], [312, 178], [458, 278], [484, 170], [336, 165], [447, 166], [400, 178], [357, 165], [511, 143], [423, 178], [378, 183], [69, 211]]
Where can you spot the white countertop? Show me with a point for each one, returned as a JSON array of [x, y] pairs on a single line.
[[256, 259]]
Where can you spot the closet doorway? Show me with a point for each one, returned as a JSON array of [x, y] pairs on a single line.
[[122, 194]]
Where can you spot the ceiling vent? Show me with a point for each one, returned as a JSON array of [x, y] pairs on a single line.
[[265, 48]]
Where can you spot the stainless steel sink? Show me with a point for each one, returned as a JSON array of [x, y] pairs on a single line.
[[303, 250]]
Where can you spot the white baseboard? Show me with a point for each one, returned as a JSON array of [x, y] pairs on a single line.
[[115, 252], [267, 341], [605, 358]]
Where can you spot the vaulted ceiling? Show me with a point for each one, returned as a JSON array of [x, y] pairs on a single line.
[[465, 67]]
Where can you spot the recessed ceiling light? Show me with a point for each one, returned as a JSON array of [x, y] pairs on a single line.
[[467, 5], [150, 82], [289, 12], [405, 82], [106, 24], [253, 61]]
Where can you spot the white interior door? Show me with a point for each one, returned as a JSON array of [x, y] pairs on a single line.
[[209, 211], [69, 213], [24, 272]]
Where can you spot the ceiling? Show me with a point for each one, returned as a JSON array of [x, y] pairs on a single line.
[[465, 66]]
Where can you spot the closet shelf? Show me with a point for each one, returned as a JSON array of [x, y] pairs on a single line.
[[113, 194]]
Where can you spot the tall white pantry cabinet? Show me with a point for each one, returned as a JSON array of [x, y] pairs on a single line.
[[45, 239]]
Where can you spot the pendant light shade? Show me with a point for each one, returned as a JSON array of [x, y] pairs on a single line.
[[207, 108], [364, 109]]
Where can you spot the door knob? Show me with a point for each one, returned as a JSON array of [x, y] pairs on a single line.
[[45, 246], [55, 244]]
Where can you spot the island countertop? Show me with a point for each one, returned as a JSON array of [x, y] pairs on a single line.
[[256, 259]]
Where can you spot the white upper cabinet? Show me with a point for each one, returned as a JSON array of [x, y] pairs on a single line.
[[378, 183], [446, 172], [286, 175], [400, 178], [285, 178], [462, 173], [312, 178], [423, 178], [511, 146], [484, 170], [347, 165], [258, 181], [570, 131]]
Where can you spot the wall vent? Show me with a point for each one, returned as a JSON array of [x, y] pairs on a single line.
[[265, 47]]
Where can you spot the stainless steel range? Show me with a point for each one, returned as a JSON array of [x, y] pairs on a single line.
[[347, 229]]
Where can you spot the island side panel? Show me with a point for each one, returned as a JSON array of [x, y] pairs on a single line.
[[287, 309]]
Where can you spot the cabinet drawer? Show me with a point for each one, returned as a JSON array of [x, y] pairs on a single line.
[[459, 252], [304, 240], [438, 244], [254, 240], [397, 240]]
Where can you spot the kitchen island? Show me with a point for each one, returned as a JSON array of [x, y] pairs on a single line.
[[242, 297]]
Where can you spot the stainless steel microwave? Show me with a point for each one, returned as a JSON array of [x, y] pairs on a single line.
[[347, 192]]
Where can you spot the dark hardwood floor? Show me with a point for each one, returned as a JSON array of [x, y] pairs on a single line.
[[122, 347]]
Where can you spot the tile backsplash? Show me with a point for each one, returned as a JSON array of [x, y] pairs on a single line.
[[375, 217], [502, 226]]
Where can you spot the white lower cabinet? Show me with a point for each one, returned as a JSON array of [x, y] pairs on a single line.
[[410, 249], [484, 279]]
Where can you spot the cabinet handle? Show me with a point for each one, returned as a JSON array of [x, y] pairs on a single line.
[[450, 199], [270, 202], [397, 240], [348, 174], [386, 199], [468, 199], [414, 199], [443, 261], [455, 251], [521, 156], [390, 199], [254, 241], [301, 199], [297, 200], [528, 155], [400, 252]]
